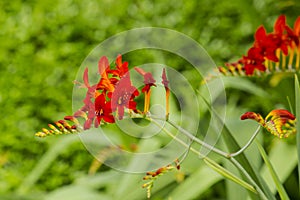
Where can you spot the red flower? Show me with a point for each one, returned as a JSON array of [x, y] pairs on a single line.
[[266, 44], [103, 110], [123, 96], [285, 34], [254, 60], [279, 122]]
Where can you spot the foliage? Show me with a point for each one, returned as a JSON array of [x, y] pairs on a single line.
[[44, 42]]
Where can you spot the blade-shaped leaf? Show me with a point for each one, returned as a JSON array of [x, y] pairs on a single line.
[[297, 110], [274, 175], [229, 175]]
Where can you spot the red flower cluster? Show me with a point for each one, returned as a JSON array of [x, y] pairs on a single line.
[[109, 98], [267, 48], [114, 92]]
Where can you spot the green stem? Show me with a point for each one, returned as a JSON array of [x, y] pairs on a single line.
[[247, 145], [212, 148], [192, 137]]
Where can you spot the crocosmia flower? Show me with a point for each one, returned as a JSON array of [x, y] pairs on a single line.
[[279, 122]]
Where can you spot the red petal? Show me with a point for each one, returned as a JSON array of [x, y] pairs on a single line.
[[107, 107], [109, 119], [140, 71], [284, 49], [69, 118], [121, 112], [135, 92], [103, 65], [297, 27], [132, 105], [119, 60], [165, 81], [86, 77], [260, 34], [99, 102], [282, 113], [249, 69], [260, 67], [252, 115], [272, 57], [80, 113], [280, 24], [96, 123], [87, 124]]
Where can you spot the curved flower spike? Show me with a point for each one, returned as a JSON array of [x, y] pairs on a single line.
[[279, 122], [271, 52], [152, 176]]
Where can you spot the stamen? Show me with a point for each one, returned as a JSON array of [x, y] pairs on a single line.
[[291, 58], [267, 64], [283, 62], [271, 66], [277, 63], [298, 58]]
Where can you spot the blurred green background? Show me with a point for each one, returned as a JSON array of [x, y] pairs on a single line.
[[42, 45]]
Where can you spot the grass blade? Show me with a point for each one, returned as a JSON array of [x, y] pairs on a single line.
[[297, 110], [229, 175], [279, 186]]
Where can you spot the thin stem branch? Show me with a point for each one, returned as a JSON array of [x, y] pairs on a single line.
[[192, 137], [177, 139], [248, 143]]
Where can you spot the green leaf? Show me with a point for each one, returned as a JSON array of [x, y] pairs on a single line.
[[245, 85], [229, 175], [281, 152], [279, 186], [297, 109]]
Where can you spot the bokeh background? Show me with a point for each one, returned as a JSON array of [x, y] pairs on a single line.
[[42, 45]]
